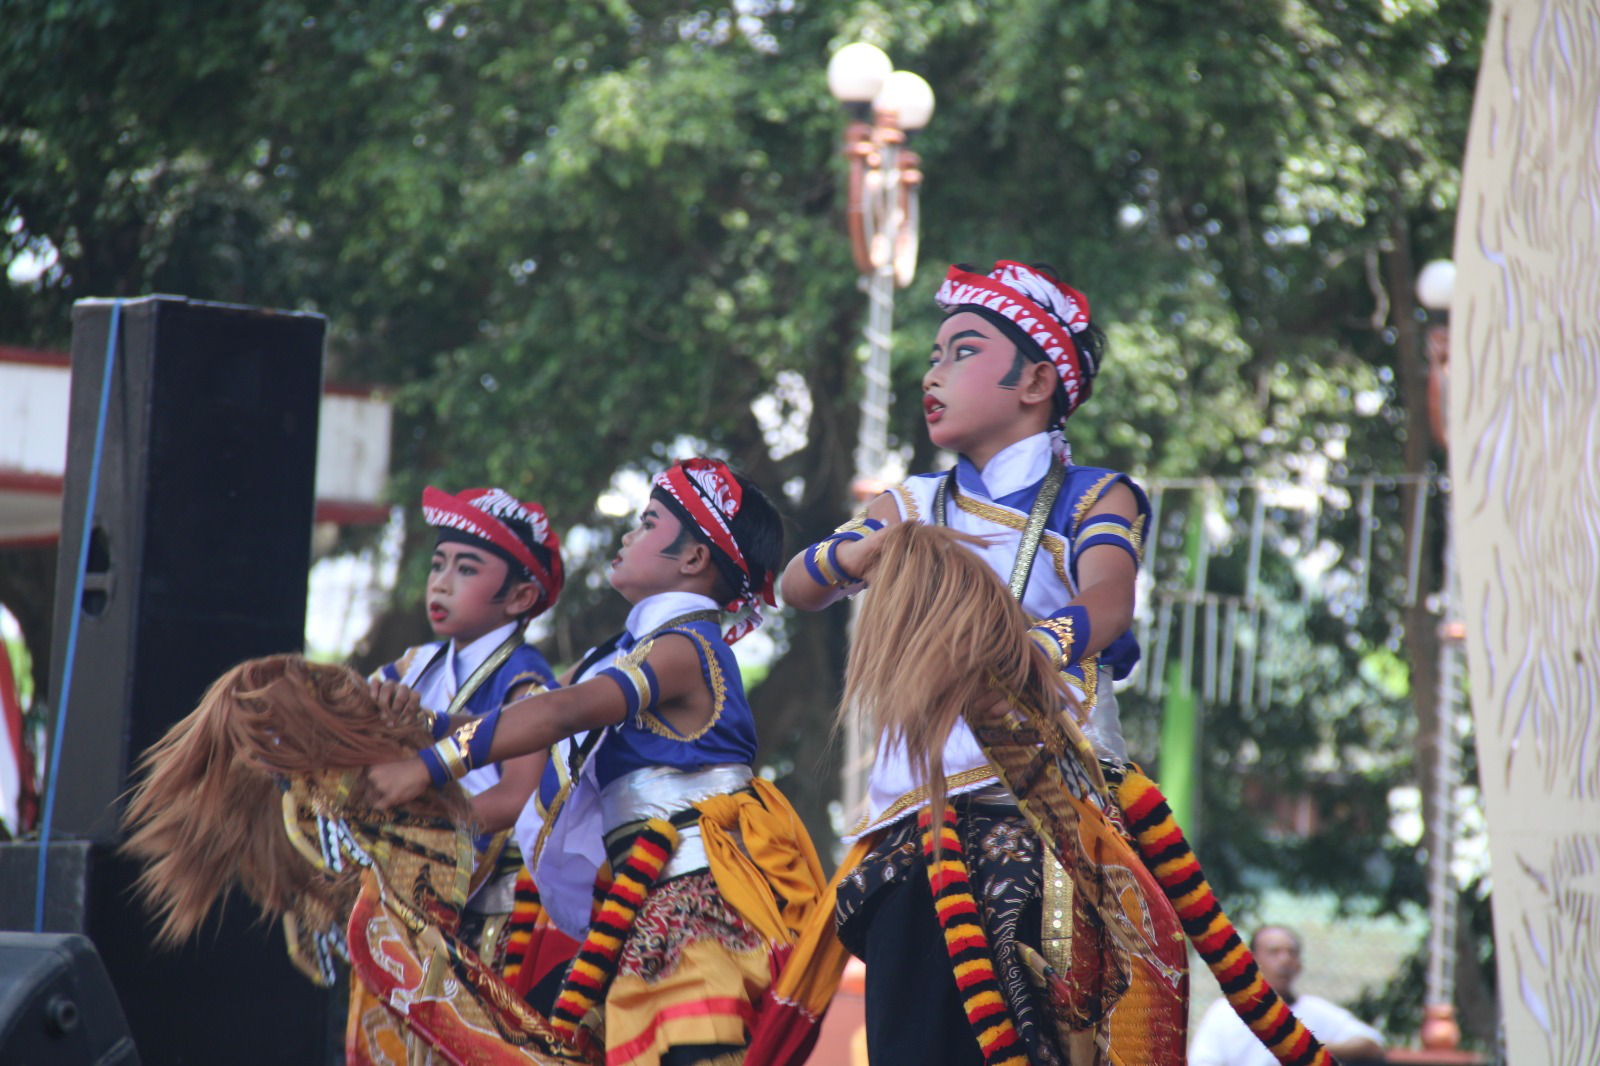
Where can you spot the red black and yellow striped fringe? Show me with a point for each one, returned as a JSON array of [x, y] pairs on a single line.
[[1168, 856], [596, 962], [968, 946], [526, 911]]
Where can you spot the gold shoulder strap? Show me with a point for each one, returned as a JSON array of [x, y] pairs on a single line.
[[484, 671], [1032, 534]]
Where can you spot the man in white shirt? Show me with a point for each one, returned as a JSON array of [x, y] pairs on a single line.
[[1223, 1039]]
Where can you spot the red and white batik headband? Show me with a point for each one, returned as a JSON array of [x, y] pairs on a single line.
[[488, 515], [1046, 311], [706, 492]]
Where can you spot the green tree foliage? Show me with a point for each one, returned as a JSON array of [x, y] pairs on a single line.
[[574, 233]]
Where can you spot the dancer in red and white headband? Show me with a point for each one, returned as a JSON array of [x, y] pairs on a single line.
[[1016, 354], [651, 777], [496, 566]]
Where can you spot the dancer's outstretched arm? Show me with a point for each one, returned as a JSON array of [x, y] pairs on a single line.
[[668, 681], [850, 559]]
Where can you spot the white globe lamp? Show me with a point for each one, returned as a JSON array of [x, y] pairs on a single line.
[[856, 73], [908, 97], [1435, 284]]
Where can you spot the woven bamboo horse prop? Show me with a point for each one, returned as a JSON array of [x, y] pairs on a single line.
[[260, 788], [1121, 1002]]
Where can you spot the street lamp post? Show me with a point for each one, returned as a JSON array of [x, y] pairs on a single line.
[[1440, 1029], [885, 105]]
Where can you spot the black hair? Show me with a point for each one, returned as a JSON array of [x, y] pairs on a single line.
[[757, 529]]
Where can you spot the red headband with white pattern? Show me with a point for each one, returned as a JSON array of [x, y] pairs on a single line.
[[482, 513], [1047, 311], [709, 494]]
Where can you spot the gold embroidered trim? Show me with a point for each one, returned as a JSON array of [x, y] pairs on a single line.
[[1138, 538], [1099, 526], [858, 523], [909, 502], [532, 861], [1055, 933], [488, 861], [1090, 686], [1089, 499], [1047, 644], [485, 670], [641, 683], [819, 557], [1096, 528], [532, 675], [1051, 541], [1060, 630], [454, 749], [1033, 532], [489, 941], [563, 783], [450, 755], [919, 795], [719, 694]]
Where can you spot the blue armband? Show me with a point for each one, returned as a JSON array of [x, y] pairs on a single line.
[[440, 724], [822, 558], [436, 771], [1110, 529], [637, 682], [1063, 636], [462, 751]]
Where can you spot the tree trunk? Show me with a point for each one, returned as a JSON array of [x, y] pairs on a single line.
[[795, 704], [1422, 637]]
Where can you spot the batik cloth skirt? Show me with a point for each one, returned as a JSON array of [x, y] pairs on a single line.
[[886, 918], [689, 979], [692, 979]]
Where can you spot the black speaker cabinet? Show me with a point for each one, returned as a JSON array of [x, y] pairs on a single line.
[[56, 1004], [198, 554], [201, 535]]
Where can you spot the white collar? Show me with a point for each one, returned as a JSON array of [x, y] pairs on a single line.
[[1017, 465], [654, 611], [465, 660]]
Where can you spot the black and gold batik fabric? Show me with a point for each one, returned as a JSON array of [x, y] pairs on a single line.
[[886, 917]]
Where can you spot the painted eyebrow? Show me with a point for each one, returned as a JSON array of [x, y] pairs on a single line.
[[469, 555], [962, 336]]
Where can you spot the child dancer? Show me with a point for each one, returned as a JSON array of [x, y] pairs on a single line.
[[713, 871], [1014, 357], [496, 566]]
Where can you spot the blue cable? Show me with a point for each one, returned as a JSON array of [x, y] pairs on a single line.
[[77, 611]]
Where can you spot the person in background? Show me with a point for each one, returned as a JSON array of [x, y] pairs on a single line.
[[1222, 1039]]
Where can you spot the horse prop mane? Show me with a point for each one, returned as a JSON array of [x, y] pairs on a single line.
[[939, 640], [206, 814], [261, 789]]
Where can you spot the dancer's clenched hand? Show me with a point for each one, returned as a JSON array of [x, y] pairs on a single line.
[[394, 783], [860, 557], [398, 704]]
